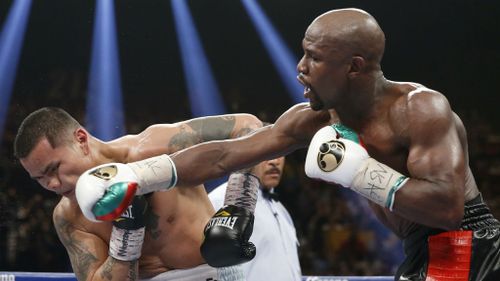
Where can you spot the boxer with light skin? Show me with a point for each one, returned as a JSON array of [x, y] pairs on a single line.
[[55, 150]]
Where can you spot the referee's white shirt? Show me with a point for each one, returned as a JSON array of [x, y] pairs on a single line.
[[275, 238]]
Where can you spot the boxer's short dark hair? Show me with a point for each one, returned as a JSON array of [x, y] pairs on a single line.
[[53, 123]]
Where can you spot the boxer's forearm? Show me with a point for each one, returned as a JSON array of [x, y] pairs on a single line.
[[88, 254], [431, 203], [113, 269], [210, 160], [86, 266]]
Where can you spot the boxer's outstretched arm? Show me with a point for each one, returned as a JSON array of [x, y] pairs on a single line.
[[293, 130], [155, 173], [218, 158], [169, 138], [89, 254]]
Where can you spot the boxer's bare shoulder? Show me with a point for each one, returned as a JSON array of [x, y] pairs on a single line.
[[301, 122], [415, 108]]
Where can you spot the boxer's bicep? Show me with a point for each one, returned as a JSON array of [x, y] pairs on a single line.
[[434, 195], [440, 162], [435, 154], [170, 138], [218, 127]]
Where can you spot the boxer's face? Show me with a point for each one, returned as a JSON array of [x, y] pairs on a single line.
[[324, 69], [56, 169], [269, 172]]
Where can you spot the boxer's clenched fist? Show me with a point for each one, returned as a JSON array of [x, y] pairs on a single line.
[[127, 235], [336, 155], [226, 237], [104, 192]]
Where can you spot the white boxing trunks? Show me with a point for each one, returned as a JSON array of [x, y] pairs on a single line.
[[202, 272]]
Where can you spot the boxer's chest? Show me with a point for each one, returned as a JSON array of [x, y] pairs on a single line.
[[174, 226], [174, 217]]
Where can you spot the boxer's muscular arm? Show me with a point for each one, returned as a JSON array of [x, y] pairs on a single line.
[[88, 254], [434, 195], [168, 138], [293, 130]]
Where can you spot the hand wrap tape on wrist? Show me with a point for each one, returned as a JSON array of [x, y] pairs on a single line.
[[155, 174], [242, 190], [126, 244], [378, 182]]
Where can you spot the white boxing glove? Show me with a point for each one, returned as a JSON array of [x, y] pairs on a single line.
[[336, 155], [327, 158], [104, 192]]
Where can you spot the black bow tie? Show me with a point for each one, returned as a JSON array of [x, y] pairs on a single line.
[[270, 195]]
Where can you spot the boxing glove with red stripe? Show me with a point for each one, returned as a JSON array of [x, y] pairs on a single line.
[[104, 192]]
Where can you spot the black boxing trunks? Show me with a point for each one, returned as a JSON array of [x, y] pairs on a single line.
[[469, 254]]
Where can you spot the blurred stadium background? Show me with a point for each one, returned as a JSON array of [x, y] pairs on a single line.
[[450, 46]]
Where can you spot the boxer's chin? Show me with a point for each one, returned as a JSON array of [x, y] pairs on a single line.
[[69, 193], [316, 105]]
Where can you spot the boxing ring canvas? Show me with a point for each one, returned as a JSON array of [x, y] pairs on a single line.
[[39, 276]]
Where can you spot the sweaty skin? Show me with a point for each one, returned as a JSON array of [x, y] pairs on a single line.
[[175, 218], [405, 125]]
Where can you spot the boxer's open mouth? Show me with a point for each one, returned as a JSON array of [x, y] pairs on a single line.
[[307, 90]]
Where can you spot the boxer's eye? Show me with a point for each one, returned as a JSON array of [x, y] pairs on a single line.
[[54, 168]]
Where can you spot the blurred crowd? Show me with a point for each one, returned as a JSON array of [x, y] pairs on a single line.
[[338, 234]]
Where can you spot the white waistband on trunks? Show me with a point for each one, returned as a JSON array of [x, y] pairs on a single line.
[[202, 272]]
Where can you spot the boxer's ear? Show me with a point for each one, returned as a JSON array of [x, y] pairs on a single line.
[[82, 139], [357, 66]]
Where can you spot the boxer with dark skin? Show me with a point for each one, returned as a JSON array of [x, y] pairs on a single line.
[[405, 125], [55, 150]]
